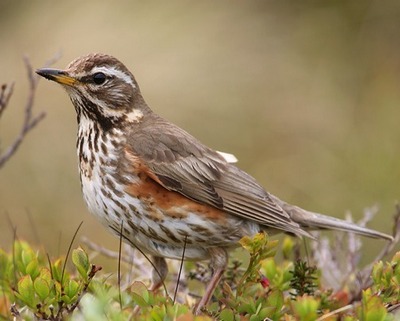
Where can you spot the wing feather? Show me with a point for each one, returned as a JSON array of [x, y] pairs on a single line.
[[183, 164]]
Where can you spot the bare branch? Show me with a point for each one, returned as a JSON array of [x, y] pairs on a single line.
[[30, 121], [5, 94], [339, 259], [104, 251]]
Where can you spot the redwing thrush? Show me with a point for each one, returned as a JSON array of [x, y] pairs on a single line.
[[160, 183]]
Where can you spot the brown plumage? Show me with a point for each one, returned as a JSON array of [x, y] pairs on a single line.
[[161, 183]]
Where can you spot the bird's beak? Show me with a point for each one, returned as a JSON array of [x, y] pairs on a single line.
[[57, 75]]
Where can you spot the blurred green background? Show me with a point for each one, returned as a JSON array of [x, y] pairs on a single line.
[[304, 93]]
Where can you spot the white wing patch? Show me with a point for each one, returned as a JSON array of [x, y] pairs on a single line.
[[230, 158]]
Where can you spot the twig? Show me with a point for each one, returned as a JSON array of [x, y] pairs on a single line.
[[394, 308], [68, 252], [339, 260], [14, 312], [5, 95], [180, 270], [106, 252], [137, 264], [30, 121], [146, 257], [119, 265], [337, 311], [94, 269]]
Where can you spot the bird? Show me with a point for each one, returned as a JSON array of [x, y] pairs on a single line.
[[159, 187]]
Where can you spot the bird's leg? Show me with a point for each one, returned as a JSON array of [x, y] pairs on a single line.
[[219, 261], [157, 279], [159, 273]]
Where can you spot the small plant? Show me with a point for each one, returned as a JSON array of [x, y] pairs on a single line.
[[40, 291], [255, 297], [304, 280], [386, 281], [33, 287]]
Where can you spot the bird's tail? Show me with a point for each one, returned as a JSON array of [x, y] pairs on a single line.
[[315, 221]]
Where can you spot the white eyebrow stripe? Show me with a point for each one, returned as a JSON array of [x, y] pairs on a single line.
[[108, 71], [114, 72]]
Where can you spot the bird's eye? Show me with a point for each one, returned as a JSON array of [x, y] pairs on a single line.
[[99, 78]]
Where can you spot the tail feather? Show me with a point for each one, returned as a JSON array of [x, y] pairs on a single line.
[[311, 220], [318, 221]]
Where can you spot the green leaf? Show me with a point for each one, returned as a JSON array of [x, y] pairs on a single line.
[[140, 294], [305, 308], [45, 274], [26, 290], [275, 299], [372, 308], [245, 242], [42, 288], [32, 268], [270, 268], [72, 289], [81, 262], [268, 312], [287, 247], [28, 256], [377, 273], [157, 315], [247, 305], [57, 270], [227, 315], [22, 255], [255, 317]]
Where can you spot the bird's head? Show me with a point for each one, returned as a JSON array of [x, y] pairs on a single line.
[[101, 88]]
